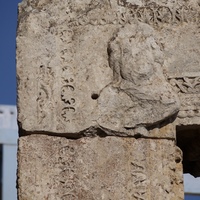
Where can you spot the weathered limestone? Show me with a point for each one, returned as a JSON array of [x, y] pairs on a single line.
[[102, 87], [108, 72], [98, 168]]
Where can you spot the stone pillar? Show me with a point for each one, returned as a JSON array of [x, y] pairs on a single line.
[[98, 98]]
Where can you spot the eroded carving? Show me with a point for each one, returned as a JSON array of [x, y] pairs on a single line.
[[187, 85], [79, 50], [45, 84], [136, 60], [66, 178], [140, 182], [92, 168], [68, 99], [150, 12]]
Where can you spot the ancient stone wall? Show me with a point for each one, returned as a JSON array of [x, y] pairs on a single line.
[[102, 85]]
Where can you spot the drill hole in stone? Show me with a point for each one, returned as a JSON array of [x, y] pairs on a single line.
[[95, 96], [178, 160]]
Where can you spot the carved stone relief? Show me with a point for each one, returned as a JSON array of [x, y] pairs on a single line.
[[151, 12], [89, 169], [136, 59], [125, 68], [181, 49], [98, 77]]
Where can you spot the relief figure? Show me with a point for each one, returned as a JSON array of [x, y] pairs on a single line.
[[136, 59]]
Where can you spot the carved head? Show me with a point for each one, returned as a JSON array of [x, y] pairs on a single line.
[[135, 54]]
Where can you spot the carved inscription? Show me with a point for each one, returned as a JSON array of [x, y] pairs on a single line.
[[190, 106], [151, 13], [139, 179], [67, 77], [66, 178], [45, 84]]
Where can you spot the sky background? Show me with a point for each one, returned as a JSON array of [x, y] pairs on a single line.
[[8, 26]]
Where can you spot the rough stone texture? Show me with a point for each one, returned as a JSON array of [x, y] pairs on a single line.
[[95, 70], [110, 168], [183, 70], [99, 63]]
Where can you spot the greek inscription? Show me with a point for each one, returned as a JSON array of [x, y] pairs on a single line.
[[65, 58], [66, 72], [137, 166], [139, 179], [67, 113], [66, 36], [66, 178], [68, 186], [67, 94], [139, 195], [67, 167], [70, 101], [67, 149], [68, 80], [45, 83], [67, 88], [41, 102]]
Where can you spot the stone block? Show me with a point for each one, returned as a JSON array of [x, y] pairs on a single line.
[[93, 64], [107, 168]]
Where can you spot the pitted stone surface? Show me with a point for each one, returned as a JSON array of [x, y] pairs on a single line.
[[95, 70], [101, 64], [113, 168]]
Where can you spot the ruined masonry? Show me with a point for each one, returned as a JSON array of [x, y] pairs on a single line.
[[108, 98]]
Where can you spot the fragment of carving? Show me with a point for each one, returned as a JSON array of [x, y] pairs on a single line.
[[136, 59], [106, 64]]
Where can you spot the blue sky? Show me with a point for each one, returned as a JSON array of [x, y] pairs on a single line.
[[192, 197], [8, 24]]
